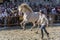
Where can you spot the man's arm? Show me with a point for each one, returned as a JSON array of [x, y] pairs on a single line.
[[47, 23]]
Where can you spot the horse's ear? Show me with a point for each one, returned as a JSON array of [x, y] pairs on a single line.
[[19, 8]]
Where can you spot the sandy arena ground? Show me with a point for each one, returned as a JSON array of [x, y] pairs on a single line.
[[18, 34]]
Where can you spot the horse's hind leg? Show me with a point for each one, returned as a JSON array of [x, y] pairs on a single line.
[[33, 26], [37, 28]]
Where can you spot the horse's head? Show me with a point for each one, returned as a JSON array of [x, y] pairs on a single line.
[[20, 10], [25, 8]]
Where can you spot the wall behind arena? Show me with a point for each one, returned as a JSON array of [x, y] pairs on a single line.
[[1, 1]]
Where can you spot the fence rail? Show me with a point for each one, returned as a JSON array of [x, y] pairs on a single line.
[[10, 20]]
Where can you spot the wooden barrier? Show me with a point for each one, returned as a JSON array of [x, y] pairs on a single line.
[[21, 18], [9, 19]]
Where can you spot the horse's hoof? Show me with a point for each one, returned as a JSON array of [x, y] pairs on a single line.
[[48, 35], [36, 32], [42, 38], [31, 30], [24, 29]]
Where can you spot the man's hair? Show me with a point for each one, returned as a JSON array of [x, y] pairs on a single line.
[[41, 11]]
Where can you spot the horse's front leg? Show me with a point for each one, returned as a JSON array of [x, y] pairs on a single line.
[[23, 25]]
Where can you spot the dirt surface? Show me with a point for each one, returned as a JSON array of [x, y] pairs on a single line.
[[19, 34]]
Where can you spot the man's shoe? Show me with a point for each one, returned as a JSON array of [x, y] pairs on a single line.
[[42, 38], [47, 34]]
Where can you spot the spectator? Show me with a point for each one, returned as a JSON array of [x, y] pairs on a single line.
[[44, 10], [4, 15], [53, 11], [0, 17], [52, 16]]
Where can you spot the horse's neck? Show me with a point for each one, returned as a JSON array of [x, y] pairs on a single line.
[[27, 13]]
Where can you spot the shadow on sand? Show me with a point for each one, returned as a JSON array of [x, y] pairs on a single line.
[[27, 26]]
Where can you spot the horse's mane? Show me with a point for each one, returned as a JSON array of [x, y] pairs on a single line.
[[26, 7]]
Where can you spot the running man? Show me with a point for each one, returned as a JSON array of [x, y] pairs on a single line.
[[43, 23]]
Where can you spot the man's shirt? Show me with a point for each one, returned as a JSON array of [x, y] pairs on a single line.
[[43, 20]]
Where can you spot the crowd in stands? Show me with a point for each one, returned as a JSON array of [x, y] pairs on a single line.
[[9, 9]]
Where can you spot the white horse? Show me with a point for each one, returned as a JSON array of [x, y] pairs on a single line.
[[29, 15]]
